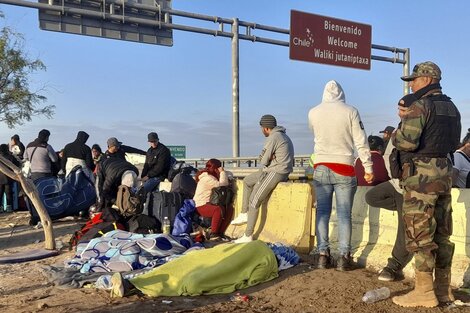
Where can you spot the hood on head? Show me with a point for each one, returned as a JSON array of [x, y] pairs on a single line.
[[82, 137], [333, 92]]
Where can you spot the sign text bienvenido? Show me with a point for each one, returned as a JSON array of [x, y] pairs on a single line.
[[327, 40]]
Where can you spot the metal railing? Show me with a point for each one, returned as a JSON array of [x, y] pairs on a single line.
[[244, 162]]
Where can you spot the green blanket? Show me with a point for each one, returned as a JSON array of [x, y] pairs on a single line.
[[222, 269]]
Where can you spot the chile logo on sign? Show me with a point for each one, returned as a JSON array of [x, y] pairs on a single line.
[[327, 40]]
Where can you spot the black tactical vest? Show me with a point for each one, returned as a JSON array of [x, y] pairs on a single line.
[[441, 133]]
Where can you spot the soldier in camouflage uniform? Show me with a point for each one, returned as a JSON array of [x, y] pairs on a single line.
[[430, 130]]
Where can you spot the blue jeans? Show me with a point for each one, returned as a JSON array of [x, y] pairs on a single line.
[[326, 182], [151, 184]]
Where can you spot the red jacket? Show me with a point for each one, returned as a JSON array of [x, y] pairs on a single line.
[[380, 171]]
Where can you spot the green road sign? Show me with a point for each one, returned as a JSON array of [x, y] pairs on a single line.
[[178, 152]]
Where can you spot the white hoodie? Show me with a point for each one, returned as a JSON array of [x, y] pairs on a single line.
[[338, 130]]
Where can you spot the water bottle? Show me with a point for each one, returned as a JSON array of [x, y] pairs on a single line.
[[376, 295], [166, 225]]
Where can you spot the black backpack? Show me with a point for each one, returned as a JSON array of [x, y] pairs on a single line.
[[185, 184], [144, 224], [222, 196], [180, 167]]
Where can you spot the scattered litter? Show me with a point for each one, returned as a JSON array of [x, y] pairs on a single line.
[[59, 244], [37, 241], [458, 303], [38, 225], [166, 301], [12, 225], [239, 298]]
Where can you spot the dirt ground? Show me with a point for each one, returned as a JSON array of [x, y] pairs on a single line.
[[303, 288]]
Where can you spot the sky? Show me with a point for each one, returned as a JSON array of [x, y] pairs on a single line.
[[113, 88]]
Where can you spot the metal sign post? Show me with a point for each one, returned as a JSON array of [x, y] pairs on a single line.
[[164, 23]]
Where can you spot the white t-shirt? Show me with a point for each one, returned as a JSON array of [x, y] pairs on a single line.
[[461, 164]]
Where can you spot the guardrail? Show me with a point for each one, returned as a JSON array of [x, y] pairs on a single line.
[[299, 161]]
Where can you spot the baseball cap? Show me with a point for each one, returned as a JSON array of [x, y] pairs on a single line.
[[428, 69], [152, 137], [388, 129], [113, 142]]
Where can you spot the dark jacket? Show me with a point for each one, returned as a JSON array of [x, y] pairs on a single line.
[[157, 162], [4, 179], [78, 150], [109, 178], [121, 153]]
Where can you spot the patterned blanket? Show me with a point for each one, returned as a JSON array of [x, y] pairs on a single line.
[[120, 251]]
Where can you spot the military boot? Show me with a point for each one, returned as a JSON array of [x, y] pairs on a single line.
[[442, 285], [422, 295]]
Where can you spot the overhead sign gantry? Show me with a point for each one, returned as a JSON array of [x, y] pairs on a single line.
[[157, 15]]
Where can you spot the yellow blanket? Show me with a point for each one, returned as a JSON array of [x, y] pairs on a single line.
[[222, 269]]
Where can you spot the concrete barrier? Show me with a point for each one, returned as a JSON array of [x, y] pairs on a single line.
[[289, 217], [374, 232], [285, 218]]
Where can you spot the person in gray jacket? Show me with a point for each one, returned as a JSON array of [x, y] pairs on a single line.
[[277, 159], [42, 156]]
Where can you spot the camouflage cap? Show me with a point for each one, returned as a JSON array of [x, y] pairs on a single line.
[[427, 68]]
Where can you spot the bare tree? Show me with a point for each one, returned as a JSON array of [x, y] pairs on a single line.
[[18, 103]]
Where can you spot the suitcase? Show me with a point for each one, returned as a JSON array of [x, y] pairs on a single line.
[[162, 203]]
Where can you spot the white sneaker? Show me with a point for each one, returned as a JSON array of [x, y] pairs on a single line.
[[244, 239], [241, 219]]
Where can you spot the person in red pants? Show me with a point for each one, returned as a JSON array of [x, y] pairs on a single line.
[[213, 175]]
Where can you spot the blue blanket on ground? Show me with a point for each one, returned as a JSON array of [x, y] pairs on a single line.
[[119, 251]]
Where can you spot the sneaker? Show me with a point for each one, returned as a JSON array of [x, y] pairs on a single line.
[[244, 239], [241, 219], [388, 274], [325, 261], [117, 290], [345, 263]]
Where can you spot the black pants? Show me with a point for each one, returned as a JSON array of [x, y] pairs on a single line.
[[385, 196]]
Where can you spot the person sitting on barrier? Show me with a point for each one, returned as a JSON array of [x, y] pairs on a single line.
[[157, 163], [461, 163], [43, 159], [212, 176], [277, 158], [376, 145], [6, 183], [388, 195], [112, 173]]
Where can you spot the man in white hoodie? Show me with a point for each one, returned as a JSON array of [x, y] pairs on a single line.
[[338, 133], [277, 158]]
